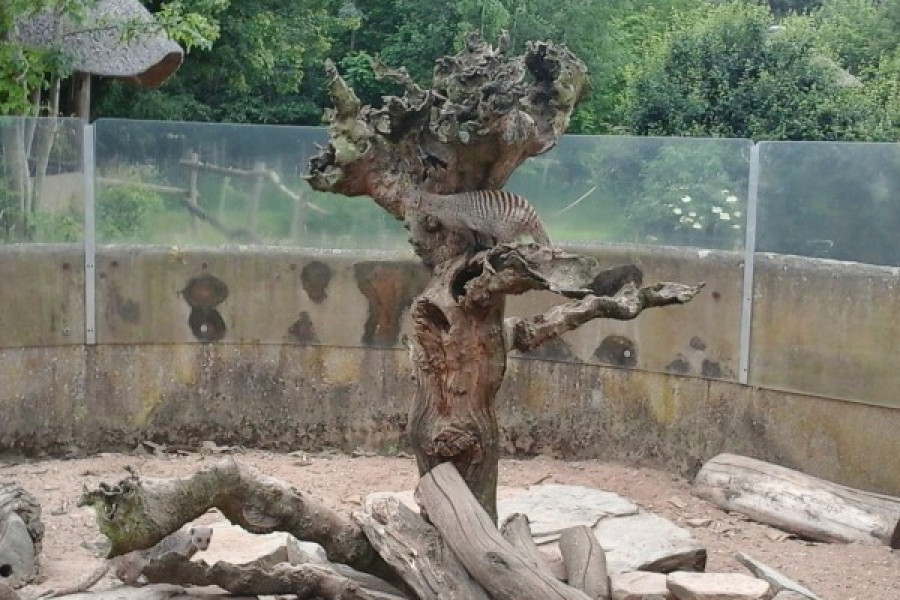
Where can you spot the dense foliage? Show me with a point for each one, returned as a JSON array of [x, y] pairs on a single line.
[[785, 69]]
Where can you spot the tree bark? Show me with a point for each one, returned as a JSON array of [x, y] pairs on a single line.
[[137, 513], [484, 114], [305, 581], [585, 562], [517, 531], [417, 552], [473, 536]]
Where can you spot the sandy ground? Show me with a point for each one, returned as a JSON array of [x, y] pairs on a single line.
[[835, 572]]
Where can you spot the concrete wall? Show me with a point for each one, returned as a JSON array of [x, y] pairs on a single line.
[[304, 352]]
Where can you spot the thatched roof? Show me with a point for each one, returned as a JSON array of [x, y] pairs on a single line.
[[96, 46]]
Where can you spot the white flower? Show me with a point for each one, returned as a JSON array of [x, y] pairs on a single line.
[[698, 226], [692, 214], [685, 199], [731, 199], [716, 209], [724, 192], [677, 210], [735, 226], [725, 216], [685, 220], [737, 213]]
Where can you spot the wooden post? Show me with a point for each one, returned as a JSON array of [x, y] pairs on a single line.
[[298, 221], [259, 168], [82, 82], [220, 213], [193, 190]]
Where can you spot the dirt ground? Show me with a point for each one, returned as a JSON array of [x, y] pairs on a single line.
[[835, 572]]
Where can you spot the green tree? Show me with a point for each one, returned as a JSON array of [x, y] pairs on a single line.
[[727, 73], [30, 86], [259, 70]]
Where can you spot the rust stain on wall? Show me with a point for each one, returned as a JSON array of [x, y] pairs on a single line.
[[315, 278], [389, 289]]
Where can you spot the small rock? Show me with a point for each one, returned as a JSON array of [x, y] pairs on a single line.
[[716, 586], [677, 502], [638, 585], [789, 595], [698, 522]]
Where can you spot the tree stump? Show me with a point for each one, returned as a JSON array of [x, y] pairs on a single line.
[[485, 113], [21, 533]]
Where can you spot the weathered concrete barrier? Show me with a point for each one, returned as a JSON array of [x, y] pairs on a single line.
[[292, 348]]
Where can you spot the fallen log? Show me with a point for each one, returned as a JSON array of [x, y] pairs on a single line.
[[585, 562], [138, 512], [415, 550], [517, 531], [801, 504], [306, 581], [470, 532]]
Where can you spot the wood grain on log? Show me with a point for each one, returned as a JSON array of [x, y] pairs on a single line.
[[305, 581], [517, 532], [417, 552], [801, 504], [585, 561], [136, 513], [469, 531]]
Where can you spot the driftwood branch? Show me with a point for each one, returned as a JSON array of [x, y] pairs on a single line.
[[585, 561], [305, 581], [417, 552], [136, 513], [807, 506], [529, 333], [469, 531], [517, 531]]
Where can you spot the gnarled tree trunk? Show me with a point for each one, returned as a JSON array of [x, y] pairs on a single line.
[[485, 113]]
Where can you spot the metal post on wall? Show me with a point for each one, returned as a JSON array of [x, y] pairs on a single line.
[[90, 237], [749, 253]]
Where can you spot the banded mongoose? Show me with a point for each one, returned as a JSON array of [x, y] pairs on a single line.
[[499, 214], [129, 567]]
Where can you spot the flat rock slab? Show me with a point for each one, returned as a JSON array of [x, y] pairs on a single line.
[[717, 586], [649, 542], [778, 581], [554, 507], [638, 585], [631, 538], [233, 544]]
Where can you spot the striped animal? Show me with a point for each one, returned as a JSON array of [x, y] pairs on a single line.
[[498, 214]]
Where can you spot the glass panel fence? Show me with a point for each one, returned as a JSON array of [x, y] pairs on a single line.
[[654, 191], [676, 207], [212, 184], [41, 228], [42, 196], [826, 316]]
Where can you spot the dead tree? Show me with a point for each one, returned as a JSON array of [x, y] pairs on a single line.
[[485, 113]]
